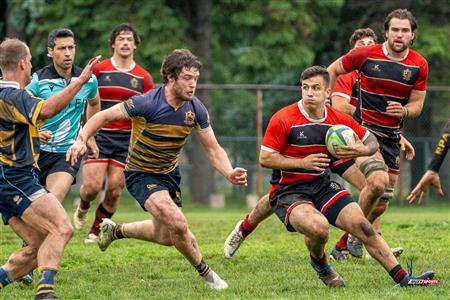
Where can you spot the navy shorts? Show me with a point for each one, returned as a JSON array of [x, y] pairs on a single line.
[[390, 150], [18, 188], [325, 195], [141, 185], [113, 147], [52, 162]]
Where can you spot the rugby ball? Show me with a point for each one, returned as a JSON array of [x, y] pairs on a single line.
[[339, 135]]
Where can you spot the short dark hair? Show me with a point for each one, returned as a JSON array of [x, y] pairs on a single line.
[[11, 51], [401, 14], [58, 33], [174, 63], [124, 27], [361, 33], [316, 71]]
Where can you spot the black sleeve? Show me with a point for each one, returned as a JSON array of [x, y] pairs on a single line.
[[441, 149]]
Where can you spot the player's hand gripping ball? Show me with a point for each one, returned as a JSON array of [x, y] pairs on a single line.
[[339, 135]]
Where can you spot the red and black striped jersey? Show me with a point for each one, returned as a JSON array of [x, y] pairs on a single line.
[[115, 86], [292, 133], [347, 86], [383, 79]]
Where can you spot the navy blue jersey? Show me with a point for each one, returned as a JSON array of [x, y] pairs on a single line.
[[160, 131], [19, 135]]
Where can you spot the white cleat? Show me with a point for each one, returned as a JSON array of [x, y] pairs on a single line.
[[91, 238], [233, 241], [214, 281], [106, 233], [79, 218]]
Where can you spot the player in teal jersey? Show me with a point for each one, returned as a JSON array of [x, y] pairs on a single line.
[[162, 120], [59, 132]]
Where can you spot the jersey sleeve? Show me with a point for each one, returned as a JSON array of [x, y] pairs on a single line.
[[421, 82], [202, 117], [136, 106], [441, 149], [344, 86], [148, 83], [360, 131], [93, 88], [355, 58], [33, 86], [276, 134]]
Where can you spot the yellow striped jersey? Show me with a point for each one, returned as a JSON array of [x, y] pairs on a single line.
[[159, 131], [19, 135]]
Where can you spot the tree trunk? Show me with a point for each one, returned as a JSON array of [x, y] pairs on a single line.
[[201, 180]]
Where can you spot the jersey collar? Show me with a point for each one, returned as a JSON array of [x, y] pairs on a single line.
[[385, 51], [131, 67], [306, 115], [10, 84]]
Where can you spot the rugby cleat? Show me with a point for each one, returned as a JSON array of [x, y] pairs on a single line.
[[106, 234], [26, 279], [354, 246], [338, 254], [214, 281], [421, 280], [46, 296], [91, 238], [233, 241], [328, 276], [79, 218]]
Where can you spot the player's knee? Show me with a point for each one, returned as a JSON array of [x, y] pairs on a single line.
[[91, 187], [377, 183], [114, 194], [178, 226], [65, 231], [320, 232]]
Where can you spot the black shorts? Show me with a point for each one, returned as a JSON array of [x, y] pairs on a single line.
[[141, 185], [339, 166], [52, 162], [390, 150], [325, 195], [113, 147]]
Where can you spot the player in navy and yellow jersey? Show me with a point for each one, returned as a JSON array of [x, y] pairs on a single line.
[[302, 194], [431, 177], [119, 78], [34, 214], [392, 88], [162, 121]]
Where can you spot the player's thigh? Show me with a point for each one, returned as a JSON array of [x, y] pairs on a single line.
[[59, 184], [116, 177], [351, 219], [93, 174], [27, 233], [47, 215], [164, 210], [306, 219], [355, 177]]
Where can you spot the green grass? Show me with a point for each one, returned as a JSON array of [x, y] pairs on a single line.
[[272, 263]]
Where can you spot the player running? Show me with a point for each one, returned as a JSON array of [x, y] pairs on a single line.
[[162, 120], [119, 78], [302, 195]]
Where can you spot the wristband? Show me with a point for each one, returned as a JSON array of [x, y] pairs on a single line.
[[405, 112]]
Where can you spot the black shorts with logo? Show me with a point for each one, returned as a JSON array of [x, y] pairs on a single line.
[[52, 162], [325, 195], [390, 150]]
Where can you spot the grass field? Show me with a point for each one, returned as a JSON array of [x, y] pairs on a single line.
[[272, 263]]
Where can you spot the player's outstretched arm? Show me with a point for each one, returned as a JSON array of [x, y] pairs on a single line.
[[219, 158], [53, 105], [430, 178], [113, 114]]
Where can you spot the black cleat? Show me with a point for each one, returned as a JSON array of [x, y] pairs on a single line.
[[354, 246], [338, 254], [46, 296], [421, 280]]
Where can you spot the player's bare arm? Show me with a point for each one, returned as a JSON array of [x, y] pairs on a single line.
[[410, 110], [342, 104], [275, 160], [113, 114], [407, 147], [366, 148], [335, 69], [57, 102], [93, 107], [219, 158]]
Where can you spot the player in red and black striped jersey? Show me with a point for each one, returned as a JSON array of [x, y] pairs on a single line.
[[431, 177], [302, 195], [119, 78], [392, 88]]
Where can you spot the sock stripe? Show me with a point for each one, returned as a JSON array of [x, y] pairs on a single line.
[[40, 269]]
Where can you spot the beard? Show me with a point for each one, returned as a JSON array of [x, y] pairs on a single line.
[[398, 50]]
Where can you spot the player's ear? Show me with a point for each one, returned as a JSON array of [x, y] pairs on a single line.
[[49, 52], [328, 92]]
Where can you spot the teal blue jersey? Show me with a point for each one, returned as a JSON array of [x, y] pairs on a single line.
[[66, 125]]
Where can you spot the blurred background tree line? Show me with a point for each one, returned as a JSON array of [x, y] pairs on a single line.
[[238, 41]]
